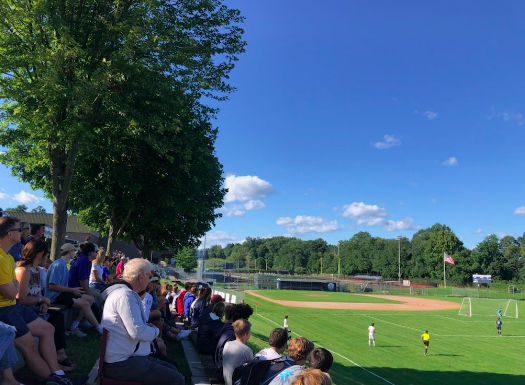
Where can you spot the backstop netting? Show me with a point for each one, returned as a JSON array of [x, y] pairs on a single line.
[[488, 307]]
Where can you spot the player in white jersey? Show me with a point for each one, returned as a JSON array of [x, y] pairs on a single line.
[[371, 334]]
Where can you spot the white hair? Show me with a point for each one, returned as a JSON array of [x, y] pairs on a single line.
[[135, 267]]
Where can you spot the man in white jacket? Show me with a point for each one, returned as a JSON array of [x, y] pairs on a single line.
[[129, 334]]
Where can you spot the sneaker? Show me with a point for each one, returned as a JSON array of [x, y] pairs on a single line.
[[183, 334], [55, 379], [76, 332], [66, 365]]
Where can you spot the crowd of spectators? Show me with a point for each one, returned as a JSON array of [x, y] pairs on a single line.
[[136, 310]]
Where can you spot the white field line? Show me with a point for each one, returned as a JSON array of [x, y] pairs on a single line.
[[337, 354]]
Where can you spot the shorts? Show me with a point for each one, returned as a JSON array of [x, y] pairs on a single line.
[[426, 343], [499, 328], [65, 298], [371, 337], [19, 316]]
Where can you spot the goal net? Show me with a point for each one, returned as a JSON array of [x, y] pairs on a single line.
[[489, 307]]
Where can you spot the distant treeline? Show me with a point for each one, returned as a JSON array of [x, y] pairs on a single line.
[[421, 257]]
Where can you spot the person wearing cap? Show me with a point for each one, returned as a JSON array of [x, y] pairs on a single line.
[[57, 290]]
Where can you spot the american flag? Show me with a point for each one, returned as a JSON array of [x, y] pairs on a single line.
[[449, 259]]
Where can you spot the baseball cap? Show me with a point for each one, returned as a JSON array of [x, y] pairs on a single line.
[[216, 298], [68, 247], [153, 279]]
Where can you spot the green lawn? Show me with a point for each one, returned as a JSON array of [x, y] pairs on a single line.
[[320, 296], [462, 349]]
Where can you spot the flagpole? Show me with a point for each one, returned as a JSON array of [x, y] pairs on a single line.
[[444, 274]]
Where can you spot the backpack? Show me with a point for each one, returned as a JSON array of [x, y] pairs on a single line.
[[253, 372]]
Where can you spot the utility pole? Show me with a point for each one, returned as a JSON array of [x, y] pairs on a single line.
[[398, 238], [339, 261]]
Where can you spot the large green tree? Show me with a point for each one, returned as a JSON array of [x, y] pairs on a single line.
[[65, 66]]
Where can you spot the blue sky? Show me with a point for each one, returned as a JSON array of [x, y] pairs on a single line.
[[375, 116]]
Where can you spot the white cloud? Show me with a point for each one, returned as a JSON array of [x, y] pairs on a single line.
[[401, 203], [254, 205], [25, 197], [390, 141], [245, 188], [4, 196], [364, 213], [430, 115], [373, 215], [307, 224], [450, 162], [219, 238], [233, 210], [478, 231], [520, 210]]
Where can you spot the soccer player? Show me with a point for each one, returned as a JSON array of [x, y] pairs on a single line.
[[499, 313], [286, 327], [371, 334], [498, 326], [425, 337]]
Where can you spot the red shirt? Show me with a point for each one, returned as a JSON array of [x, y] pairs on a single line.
[[120, 269], [180, 301]]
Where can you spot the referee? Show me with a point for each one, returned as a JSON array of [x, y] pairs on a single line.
[[425, 337]]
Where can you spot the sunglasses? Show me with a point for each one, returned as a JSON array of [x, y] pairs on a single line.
[[19, 230]]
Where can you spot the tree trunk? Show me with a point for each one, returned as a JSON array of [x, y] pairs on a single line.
[[61, 170], [113, 232]]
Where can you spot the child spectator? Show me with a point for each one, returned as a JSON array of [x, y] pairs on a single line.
[[57, 290], [199, 305], [106, 270], [277, 341], [188, 301], [211, 327], [30, 295], [180, 299], [96, 278], [312, 377], [232, 314], [236, 352], [298, 350]]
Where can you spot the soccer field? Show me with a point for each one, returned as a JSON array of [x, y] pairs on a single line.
[[462, 349]]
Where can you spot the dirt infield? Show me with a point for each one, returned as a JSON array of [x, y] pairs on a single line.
[[409, 303]]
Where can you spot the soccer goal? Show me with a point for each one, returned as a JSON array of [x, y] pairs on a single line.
[[488, 307]]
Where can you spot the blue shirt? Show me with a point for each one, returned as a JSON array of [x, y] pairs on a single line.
[[80, 271], [16, 251], [105, 272], [57, 274]]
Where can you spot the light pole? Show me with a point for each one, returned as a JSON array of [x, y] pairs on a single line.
[[338, 261], [398, 238]]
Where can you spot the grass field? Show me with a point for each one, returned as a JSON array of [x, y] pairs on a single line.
[[316, 296], [462, 349]]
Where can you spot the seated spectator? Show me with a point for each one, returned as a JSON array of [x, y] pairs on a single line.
[[199, 305], [120, 267], [277, 341], [180, 299], [7, 354], [211, 327], [312, 377], [106, 271], [42, 360], [80, 272], [236, 352], [129, 335], [232, 313], [16, 250], [96, 279], [208, 309], [319, 358], [189, 297], [58, 292], [298, 350], [30, 295]]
